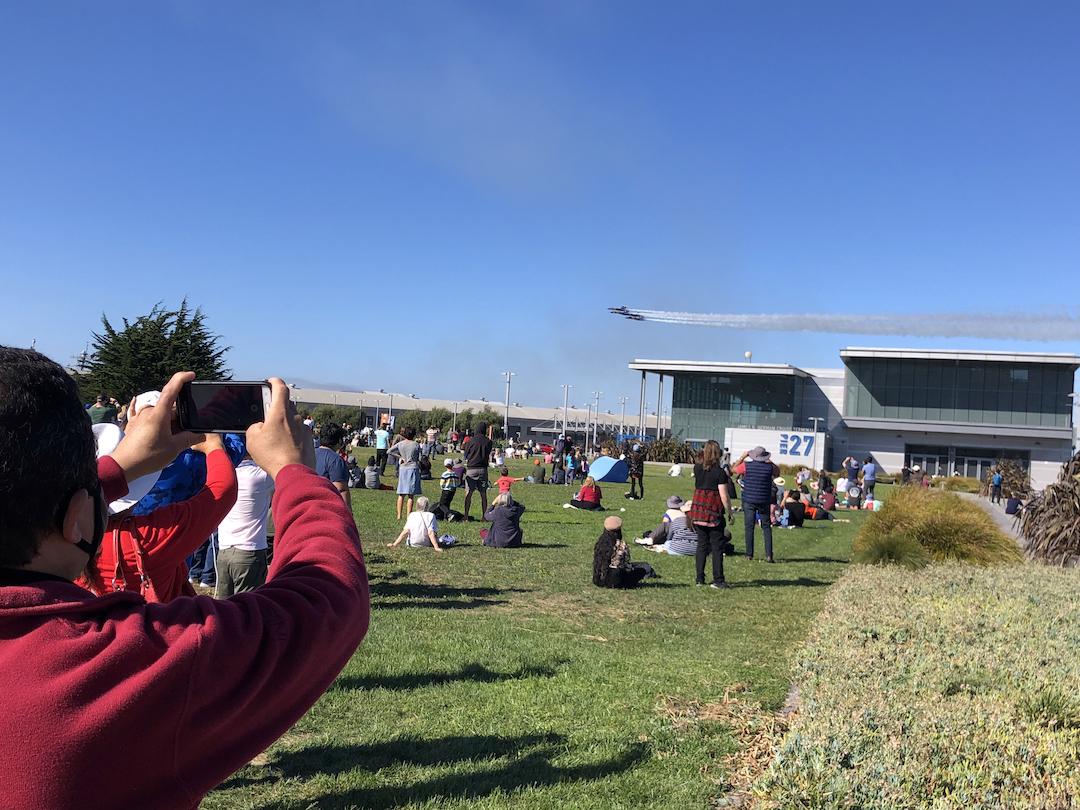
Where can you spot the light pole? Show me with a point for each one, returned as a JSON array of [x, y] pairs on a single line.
[[819, 450], [565, 408], [506, 410], [453, 427], [622, 417], [588, 419], [596, 413]]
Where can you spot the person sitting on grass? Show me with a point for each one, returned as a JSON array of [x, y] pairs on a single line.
[[659, 535], [421, 527], [538, 473], [854, 497], [588, 497], [612, 567], [682, 535], [505, 480], [371, 475], [794, 510], [505, 516]]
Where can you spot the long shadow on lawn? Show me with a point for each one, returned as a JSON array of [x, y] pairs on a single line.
[[437, 597], [816, 559], [477, 673], [805, 582], [529, 764]]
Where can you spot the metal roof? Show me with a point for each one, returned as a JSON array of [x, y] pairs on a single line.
[[965, 354], [715, 367]]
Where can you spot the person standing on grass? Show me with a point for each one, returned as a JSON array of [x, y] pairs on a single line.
[[710, 506], [477, 452], [241, 558], [757, 486], [505, 480], [407, 454], [328, 461], [869, 476], [448, 485], [635, 463], [382, 447], [189, 691]]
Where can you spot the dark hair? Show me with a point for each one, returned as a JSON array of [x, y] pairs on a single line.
[[371, 461], [408, 432], [330, 435], [46, 451], [602, 552], [504, 471], [481, 429], [869, 460]]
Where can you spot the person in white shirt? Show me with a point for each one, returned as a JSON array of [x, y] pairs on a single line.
[[240, 562], [421, 527]]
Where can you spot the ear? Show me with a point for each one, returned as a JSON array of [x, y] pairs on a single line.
[[78, 517]]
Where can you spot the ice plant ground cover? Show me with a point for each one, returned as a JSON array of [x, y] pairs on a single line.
[[952, 686]]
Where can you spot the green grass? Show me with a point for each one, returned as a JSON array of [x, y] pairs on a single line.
[[503, 678]]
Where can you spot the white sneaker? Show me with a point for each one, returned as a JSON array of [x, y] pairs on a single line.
[[643, 541], [566, 506]]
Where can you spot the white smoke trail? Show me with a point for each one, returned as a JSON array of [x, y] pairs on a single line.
[[1014, 326]]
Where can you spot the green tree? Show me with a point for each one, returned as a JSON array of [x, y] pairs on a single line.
[[145, 352]]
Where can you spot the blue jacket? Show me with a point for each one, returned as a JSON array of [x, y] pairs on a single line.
[[757, 482]]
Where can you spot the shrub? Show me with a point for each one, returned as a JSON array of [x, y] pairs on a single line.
[[896, 548], [944, 525], [960, 484], [1050, 522], [952, 688]]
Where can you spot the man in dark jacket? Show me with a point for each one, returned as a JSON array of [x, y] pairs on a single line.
[[757, 482]]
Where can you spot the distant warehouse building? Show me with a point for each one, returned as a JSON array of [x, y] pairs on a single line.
[[946, 411]]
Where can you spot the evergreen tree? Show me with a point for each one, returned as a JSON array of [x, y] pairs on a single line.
[[143, 354]]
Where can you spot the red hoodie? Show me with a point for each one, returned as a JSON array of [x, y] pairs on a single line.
[[111, 702], [167, 535]]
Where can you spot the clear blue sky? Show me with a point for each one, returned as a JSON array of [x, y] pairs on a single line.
[[479, 181]]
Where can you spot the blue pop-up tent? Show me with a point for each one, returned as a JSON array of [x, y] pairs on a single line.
[[609, 470]]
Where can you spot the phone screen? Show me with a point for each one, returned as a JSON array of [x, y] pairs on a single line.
[[222, 407]]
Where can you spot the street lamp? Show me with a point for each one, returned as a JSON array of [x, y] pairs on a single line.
[[565, 399], [453, 427], [596, 413], [622, 418], [506, 409]]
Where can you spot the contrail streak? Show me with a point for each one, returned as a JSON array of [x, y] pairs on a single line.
[[1014, 326]]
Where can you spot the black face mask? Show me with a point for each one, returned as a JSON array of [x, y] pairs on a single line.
[[101, 514]]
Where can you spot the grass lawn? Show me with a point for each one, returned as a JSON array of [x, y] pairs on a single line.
[[504, 678]]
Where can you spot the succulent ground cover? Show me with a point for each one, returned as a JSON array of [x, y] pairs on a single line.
[[954, 686]]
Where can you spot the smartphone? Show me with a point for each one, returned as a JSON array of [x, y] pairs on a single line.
[[222, 407]]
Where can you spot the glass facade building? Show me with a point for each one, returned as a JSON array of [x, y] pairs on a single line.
[[962, 391], [704, 405]]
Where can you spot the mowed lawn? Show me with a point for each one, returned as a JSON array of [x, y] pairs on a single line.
[[504, 678]]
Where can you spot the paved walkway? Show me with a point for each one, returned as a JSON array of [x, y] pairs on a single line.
[[997, 512]]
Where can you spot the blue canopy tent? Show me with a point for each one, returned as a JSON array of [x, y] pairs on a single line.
[[609, 470]]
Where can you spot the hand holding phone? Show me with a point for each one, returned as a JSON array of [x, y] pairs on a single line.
[[281, 438], [222, 407]]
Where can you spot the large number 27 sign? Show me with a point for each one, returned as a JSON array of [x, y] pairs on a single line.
[[794, 444]]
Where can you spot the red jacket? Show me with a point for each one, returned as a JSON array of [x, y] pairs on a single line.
[[589, 494], [111, 702], [167, 535]]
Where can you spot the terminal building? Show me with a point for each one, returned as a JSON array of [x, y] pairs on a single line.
[[946, 411]]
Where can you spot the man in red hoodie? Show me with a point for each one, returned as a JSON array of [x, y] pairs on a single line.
[[109, 701]]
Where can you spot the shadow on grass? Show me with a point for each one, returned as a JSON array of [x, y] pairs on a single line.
[[805, 582], [402, 595], [497, 764], [544, 545], [475, 673], [815, 560]]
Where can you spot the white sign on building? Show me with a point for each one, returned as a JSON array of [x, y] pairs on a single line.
[[796, 447]]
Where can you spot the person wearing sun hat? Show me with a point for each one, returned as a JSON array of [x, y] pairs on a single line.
[[658, 535], [612, 567], [757, 484]]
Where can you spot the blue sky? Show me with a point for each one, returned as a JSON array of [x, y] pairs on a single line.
[[418, 196]]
